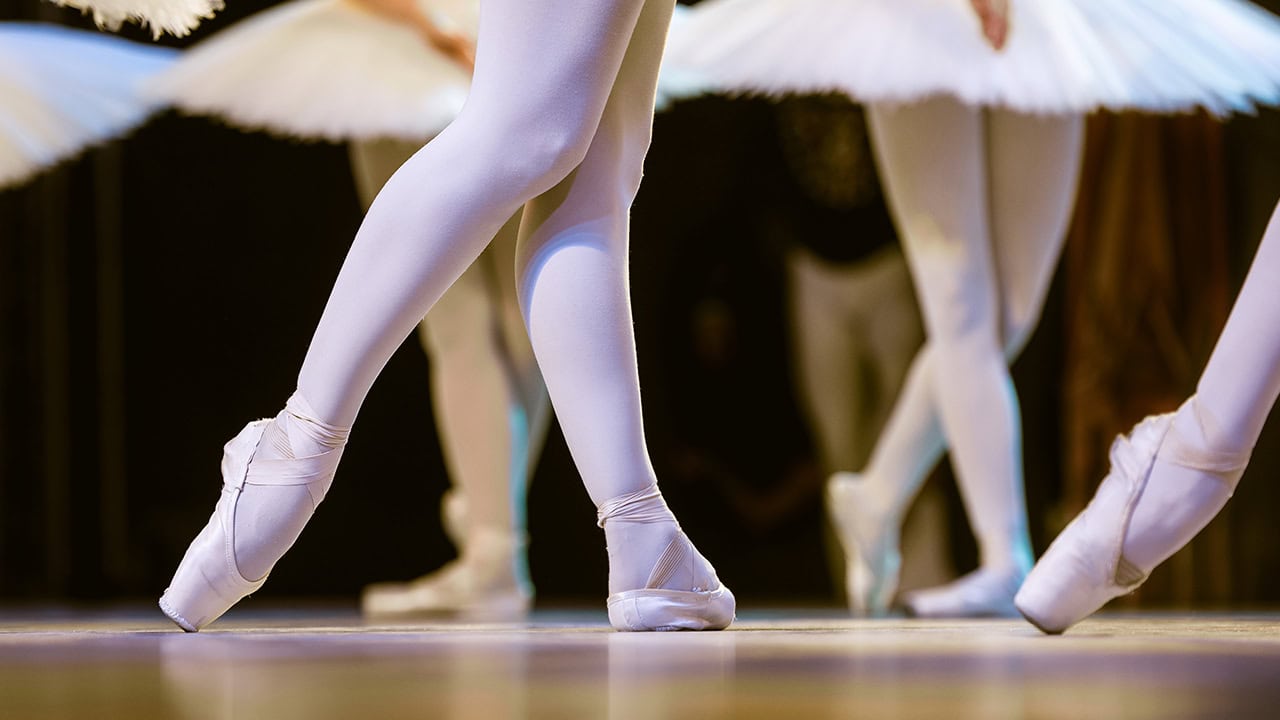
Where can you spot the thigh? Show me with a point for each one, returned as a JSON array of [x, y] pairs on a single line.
[[547, 63], [600, 190], [1034, 166], [932, 160]]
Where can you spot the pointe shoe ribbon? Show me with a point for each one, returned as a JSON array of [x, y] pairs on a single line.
[[208, 581]]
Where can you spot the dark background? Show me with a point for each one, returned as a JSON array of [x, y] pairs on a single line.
[[158, 292]]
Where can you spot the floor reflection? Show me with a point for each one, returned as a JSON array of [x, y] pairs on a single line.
[[773, 665]]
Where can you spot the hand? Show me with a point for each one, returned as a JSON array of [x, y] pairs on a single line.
[[994, 15], [456, 46], [437, 32]]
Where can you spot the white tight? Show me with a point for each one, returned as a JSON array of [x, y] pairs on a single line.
[[982, 200], [1213, 433], [490, 404], [1242, 379], [556, 119]]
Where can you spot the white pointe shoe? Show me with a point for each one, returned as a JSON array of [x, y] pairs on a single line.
[[208, 580], [453, 589], [1085, 567], [707, 605], [869, 535], [487, 583], [985, 592]]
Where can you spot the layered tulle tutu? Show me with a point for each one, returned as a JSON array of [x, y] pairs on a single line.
[[324, 69], [176, 17], [1062, 56], [61, 90], [329, 69]]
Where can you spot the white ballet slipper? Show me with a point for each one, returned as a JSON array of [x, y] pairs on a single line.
[[453, 589], [869, 535], [454, 511], [487, 582], [985, 592], [707, 605], [1085, 567], [208, 580]]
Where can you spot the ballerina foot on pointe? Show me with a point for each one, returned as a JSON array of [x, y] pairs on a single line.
[[246, 535], [1133, 522], [868, 532]]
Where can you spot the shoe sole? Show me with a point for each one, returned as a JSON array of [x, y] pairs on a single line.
[[670, 610]]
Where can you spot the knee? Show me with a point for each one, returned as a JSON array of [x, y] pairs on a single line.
[[960, 320], [534, 159], [959, 315]]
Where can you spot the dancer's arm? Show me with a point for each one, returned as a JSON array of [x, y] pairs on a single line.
[[994, 15], [452, 43]]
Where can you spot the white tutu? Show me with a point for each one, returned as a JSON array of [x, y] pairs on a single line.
[[329, 69], [675, 82], [1062, 56], [61, 90], [176, 17], [324, 69]]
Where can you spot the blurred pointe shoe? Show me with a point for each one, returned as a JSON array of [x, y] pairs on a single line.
[[454, 511], [1085, 567], [487, 583], [706, 605], [869, 534], [985, 592]]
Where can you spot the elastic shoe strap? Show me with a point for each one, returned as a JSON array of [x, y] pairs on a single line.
[[644, 506]]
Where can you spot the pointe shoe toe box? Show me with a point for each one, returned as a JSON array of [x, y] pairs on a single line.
[[207, 582]]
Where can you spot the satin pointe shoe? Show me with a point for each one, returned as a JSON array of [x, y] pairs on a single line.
[[1085, 567], [208, 580], [869, 535]]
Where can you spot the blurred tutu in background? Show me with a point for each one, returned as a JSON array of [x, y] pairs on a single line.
[[63, 90]]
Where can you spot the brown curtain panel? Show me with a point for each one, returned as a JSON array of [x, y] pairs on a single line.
[[1147, 292]]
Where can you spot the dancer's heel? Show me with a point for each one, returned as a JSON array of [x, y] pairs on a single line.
[[707, 605]]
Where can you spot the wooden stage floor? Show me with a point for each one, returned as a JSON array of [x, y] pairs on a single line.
[[784, 664]]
